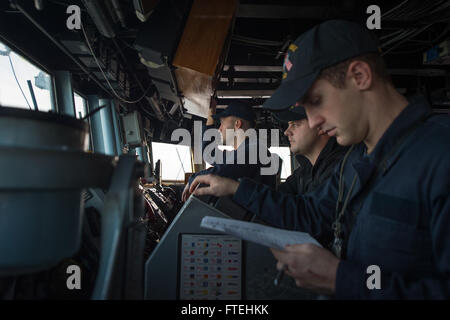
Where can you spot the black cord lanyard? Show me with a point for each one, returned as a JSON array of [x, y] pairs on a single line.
[[340, 209]]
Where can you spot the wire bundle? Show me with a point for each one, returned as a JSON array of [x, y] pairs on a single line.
[[426, 13]]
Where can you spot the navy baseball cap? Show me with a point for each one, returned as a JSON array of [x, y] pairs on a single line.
[[237, 109], [321, 47], [291, 114]]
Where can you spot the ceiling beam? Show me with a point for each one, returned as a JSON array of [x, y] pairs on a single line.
[[250, 68], [285, 12], [244, 94]]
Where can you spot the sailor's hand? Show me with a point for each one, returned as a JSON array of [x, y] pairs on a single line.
[[312, 267], [186, 193], [217, 186]]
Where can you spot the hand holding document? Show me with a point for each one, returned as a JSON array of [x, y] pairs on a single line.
[[257, 233]]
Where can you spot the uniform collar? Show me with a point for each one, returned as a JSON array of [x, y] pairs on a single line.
[[326, 151], [365, 165], [329, 147], [416, 110], [302, 161]]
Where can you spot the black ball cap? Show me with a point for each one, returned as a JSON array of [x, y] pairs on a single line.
[[321, 47], [290, 114], [237, 109]]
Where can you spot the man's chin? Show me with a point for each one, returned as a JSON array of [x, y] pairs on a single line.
[[342, 141], [345, 141]]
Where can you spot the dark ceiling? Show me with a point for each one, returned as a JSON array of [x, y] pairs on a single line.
[[406, 32]]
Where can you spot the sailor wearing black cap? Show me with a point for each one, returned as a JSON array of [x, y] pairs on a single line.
[[387, 205], [237, 118], [316, 153]]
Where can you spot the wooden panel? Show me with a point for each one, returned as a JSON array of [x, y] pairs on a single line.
[[204, 36], [201, 51]]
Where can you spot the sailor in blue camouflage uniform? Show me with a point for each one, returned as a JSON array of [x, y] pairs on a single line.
[[388, 202]]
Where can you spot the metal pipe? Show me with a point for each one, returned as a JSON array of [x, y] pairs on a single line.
[[96, 125], [59, 45], [30, 87], [117, 131], [119, 13], [108, 127], [64, 92], [99, 17], [39, 4]]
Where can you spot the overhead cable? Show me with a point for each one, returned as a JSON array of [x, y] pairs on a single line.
[[106, 78], [17, 81]]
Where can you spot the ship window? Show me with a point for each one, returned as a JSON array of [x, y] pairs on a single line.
[[80, 105], [175, 159], [17, 75], [285, 154]]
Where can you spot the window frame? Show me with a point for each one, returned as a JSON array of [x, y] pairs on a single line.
[[32, 60]]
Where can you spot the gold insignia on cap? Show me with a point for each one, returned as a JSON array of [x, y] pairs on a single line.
[[293, 47]]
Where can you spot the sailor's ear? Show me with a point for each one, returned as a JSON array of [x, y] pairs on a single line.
[[238, 124], [360, 74]]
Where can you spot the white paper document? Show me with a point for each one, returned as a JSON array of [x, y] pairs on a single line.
[[257, 233]]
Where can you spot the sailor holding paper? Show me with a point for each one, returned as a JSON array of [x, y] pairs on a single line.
[[387, 203]]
